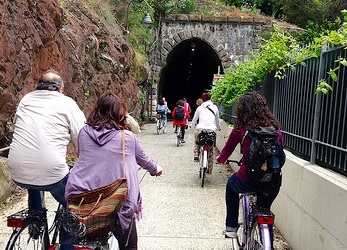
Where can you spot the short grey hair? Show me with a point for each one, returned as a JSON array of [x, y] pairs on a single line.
[[50, 80]]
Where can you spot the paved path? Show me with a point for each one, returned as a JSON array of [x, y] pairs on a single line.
[[177, 212]]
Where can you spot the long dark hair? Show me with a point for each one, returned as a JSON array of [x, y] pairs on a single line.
[[109, 112], [252, 111]]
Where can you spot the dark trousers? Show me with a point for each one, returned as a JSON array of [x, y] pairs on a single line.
[[127, 240]]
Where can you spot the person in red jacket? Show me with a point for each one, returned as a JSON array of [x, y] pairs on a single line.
[[180, 115]]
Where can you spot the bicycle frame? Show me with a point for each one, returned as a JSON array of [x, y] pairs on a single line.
[[179, 134], [256, 223], [161, 127]]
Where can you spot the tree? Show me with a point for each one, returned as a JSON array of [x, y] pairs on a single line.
[[300, 12]]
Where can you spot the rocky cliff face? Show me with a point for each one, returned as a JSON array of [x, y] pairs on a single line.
[[84, 45]]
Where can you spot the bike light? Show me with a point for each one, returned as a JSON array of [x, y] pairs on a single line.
[[268, 220], [15, 222], [206, 147]]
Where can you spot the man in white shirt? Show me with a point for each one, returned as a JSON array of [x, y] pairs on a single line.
[[45, 121], [206, 117]]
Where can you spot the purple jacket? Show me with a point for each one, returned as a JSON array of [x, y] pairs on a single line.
[[235, 138], [100, 163]]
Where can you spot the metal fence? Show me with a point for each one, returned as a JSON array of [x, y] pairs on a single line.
[[314, 125]]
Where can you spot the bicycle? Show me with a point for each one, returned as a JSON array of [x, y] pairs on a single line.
[[161, 125], [255, 223], [179, 135], [31, 231], [206, 140]]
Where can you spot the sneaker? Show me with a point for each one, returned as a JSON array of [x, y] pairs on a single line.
[[230, 234], [175, 131], [183, 141], [196, 156]]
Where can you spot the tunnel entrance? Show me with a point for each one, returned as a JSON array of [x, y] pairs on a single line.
[[188, 72]]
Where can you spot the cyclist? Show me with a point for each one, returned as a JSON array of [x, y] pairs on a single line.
[[100, 163], [208, 116], [180, 115], [45, 121], [162, 110], [251, 112], [187, 107]]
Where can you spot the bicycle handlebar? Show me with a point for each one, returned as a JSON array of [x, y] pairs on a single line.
[[235, 161]]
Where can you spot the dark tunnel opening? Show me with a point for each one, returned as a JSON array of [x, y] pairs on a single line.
[[188, 72]]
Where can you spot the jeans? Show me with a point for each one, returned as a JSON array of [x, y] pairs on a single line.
[[58, 192], [235, 186], [164, 119]]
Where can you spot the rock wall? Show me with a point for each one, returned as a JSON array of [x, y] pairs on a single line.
[[5, 179], [84, 45]]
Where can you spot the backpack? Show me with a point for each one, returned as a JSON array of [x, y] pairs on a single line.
[[161, 110], [266, 155], [179, 113]]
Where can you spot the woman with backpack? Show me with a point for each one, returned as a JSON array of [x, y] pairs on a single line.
[[180, 115], [251, 112]]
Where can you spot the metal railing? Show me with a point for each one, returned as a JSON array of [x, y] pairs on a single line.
[[314, 125]]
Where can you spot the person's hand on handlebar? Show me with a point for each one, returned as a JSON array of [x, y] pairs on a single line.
[[159, 171], [219, 161]]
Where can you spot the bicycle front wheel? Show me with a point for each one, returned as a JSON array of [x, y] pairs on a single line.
[[31, 236]]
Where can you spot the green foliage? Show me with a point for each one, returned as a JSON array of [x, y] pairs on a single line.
[[280, 52], [314, 29], [300, 12], [273, 56]]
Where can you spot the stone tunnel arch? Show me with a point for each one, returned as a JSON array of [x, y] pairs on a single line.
[[188, 71], [224, 40]]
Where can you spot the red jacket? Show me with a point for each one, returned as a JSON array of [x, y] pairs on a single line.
[[180, 122]]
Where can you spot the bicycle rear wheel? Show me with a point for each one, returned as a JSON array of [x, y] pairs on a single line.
[[260, 237], [203, 166], [256, 240], [32, 236], [158, 127], [243, 237], [179, 135]]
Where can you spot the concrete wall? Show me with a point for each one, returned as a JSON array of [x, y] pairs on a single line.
[[311, 208]]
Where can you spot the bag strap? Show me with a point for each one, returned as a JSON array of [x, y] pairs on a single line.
[[244, 137], [123, 149], [208, 107]]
